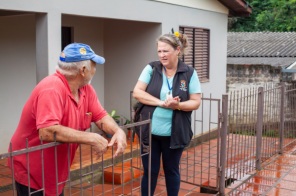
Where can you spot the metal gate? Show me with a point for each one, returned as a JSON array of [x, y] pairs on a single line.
[[200, 164]]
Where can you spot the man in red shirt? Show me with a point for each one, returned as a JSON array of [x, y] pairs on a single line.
[[60, 108]]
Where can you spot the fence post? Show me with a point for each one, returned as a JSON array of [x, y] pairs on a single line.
[[282, 119], [259, 127], [223, 147]]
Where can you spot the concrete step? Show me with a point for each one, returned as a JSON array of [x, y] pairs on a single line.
[[123, 173]]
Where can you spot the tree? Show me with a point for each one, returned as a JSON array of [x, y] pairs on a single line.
[[267, 15]]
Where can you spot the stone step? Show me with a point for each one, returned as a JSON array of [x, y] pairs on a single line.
[[123, 173]]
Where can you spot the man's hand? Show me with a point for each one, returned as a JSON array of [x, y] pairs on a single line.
[[108, 125], [100, 145], [119, 138]]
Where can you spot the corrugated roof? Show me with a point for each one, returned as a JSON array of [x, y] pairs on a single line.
[[261, 44], [269, 48], [273, 61]]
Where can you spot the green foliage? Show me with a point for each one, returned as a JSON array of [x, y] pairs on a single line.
[[114, 116], [267, 15], [117, 118]]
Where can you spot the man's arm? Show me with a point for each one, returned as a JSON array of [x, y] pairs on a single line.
[[69, 135], [108, 125]]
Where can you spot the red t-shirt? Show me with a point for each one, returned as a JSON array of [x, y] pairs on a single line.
[[51, 103]]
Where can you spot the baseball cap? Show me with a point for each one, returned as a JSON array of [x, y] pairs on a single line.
[[80, 52]]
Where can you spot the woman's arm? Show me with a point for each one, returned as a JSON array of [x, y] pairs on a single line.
[[192, 104], [189, 105], [142, 96]]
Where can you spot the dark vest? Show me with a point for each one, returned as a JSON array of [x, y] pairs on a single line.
[[181, 121]]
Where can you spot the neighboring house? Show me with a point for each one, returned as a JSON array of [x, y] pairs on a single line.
[[259, 58], [34, 32]]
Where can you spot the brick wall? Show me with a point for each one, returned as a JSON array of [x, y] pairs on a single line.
[[247, 76]]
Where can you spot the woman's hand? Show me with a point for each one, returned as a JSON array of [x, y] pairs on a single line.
[[172, 103]]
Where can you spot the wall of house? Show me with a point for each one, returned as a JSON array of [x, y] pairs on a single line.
[[90, 31], [18, 71], [125, 36], [209, 5], [129, 47], [251, 76]]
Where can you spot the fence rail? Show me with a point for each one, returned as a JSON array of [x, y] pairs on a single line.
[[86, 174], [232, 138], [261, 123]]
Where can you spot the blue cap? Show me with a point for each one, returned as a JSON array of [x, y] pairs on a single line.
[[80, 52]]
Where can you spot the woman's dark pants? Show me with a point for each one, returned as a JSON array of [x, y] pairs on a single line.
[[170, 159]]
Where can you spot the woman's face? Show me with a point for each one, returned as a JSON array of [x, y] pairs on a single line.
[[167, 55]]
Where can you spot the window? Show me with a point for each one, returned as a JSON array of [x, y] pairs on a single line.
[[198, 54]]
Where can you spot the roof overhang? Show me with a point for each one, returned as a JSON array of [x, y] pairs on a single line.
[[237, 7]]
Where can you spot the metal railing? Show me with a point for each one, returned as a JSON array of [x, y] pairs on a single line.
[[232, 138], [261, 123], [86, 173]]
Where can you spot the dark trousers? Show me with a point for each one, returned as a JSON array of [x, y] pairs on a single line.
[[170, 158], [22, 190]]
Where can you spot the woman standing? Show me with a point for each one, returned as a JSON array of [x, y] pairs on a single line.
[[170, 91]]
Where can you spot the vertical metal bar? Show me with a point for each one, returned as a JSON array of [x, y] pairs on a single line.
[[218, 145], [235, 139], [282, 119], [240, 143], [223, 142], [12, 167], [28, 166], [42, 167], [92, 165], [209, 138], [113, 173], [103, 178], [265, 115], [122, 175], [69, 166], [149, 163], [259, 127], [202, 133], [231, 122], [247, 129], [249, 144], [56, 164]]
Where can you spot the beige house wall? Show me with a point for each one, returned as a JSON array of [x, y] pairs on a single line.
[[124, 32]]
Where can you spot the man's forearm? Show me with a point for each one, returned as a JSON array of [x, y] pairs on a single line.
[[61, 133]]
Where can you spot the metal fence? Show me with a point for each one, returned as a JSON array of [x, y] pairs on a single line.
[[200, 164], [87, 174], [232, 138], [253, 125], [261, 123]]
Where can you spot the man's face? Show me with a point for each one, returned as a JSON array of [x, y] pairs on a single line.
[[90, 73]]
